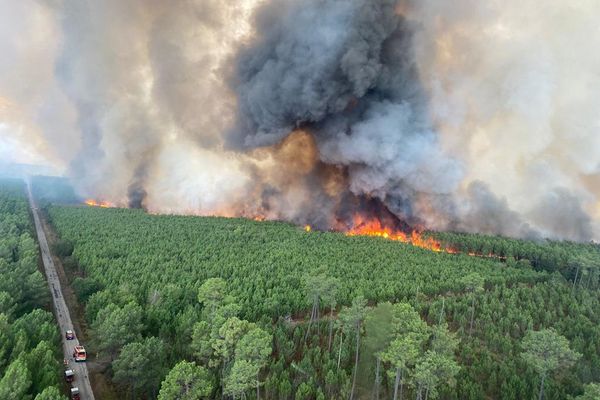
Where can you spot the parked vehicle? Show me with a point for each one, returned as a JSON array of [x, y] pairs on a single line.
[[75, 394], [69, 375]]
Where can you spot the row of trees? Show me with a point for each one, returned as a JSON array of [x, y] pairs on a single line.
[[577, 262], [29, 338]]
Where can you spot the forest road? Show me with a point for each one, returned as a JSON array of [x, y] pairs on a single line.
[[61, 311]]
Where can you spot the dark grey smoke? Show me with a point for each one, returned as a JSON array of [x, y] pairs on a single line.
[[484, 212], [345, 70], [560, 211], [411, 104], [310, 61], [136, 193]]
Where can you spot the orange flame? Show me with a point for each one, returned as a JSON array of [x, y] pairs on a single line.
[[94, 203], [375, 228]]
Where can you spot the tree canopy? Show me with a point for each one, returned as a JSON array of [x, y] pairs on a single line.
[[268, 319], [29, 338], [186, 381]]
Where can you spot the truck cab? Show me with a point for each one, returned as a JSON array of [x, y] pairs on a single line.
[[75, 394], [79, 353], [69, 375]]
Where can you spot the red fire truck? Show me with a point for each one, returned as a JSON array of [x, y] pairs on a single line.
[[79, 353]]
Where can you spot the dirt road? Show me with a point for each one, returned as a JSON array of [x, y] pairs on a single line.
[[62, 312]]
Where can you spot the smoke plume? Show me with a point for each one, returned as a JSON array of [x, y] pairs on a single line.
[[471, 116]]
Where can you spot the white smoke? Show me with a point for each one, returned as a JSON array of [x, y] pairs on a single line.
[[32, 105], [207, 182], [467, 115], [512, 89]]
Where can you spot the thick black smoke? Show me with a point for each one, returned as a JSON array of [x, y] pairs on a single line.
[[467, 115], [345, 69]]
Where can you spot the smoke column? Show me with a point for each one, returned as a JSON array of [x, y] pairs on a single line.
[[511, 90], [472, 116]]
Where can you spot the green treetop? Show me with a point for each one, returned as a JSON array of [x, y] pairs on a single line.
[[186, 381], [546, 351]]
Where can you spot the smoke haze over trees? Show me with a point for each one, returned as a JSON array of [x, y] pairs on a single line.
[[464, 116]]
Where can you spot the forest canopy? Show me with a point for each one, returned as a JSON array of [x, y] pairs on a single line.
[[199, 289]]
